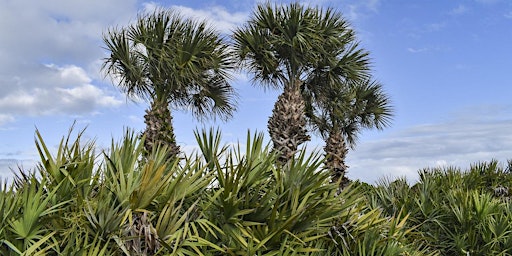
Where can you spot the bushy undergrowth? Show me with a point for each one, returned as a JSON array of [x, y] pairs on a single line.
[[219, 201], [454, 212], [235, 200]]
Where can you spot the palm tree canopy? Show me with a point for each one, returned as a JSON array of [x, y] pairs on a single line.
[[168, 58], [362, 104], [292, 42]]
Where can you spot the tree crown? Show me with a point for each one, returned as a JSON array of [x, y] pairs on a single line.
[[168, 58]]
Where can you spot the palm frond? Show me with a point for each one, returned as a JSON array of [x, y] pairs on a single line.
[[172, 61]]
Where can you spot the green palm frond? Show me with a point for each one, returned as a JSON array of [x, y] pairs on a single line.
[[361, 105], [235, 200], [280, 43], [125, 64], [28, 227], [121, 167], [292, 45], [167, 57], [216, 97], [105, 215]]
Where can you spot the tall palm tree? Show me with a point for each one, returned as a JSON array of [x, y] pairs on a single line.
[[341, 115], [171, 62], [282, 46]]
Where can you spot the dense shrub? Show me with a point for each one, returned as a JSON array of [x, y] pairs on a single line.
[[455, 212], [218, 201], [235, 200]]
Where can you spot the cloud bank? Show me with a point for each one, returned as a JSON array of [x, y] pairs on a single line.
[[459, 142]]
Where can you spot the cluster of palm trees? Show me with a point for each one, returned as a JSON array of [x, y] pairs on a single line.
[[141, 197], [311, 54]]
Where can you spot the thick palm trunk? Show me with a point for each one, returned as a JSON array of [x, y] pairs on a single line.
[[159, 129], [287, 125], [335, 154]]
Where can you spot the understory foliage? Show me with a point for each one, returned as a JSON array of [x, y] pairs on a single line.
[[218, 201], [235, 200], [454, 212]]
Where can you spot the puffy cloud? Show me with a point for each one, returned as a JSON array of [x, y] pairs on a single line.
[[57, 30], [61, 32], [56, 90], [217, 16], [50, 61]]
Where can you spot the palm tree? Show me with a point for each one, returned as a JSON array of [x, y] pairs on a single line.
[[171, 62], [282, 46], [340, 116]]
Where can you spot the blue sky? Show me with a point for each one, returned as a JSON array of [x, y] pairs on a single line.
[[446, 65]]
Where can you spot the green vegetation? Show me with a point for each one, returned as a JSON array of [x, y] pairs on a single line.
[[237, 201], [169, 60], [142, 197], [455, 212], [313, 56], [218, 201]]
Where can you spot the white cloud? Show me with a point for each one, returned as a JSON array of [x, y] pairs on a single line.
[[52, 54], [433, 27], [4, 119], [89, 94], [354, 10], [50, 62], [427, 49], [416, 50], [468, 138], [72, 74], [373, 5], [351, 9], [217, 16], [57, 30], [460, 9], [56, 90]]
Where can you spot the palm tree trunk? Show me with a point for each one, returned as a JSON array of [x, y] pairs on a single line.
[[287, 124], [159, 129], [144, 238], [335, 154]]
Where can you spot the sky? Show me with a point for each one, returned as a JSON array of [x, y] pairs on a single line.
[[446, 66]]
